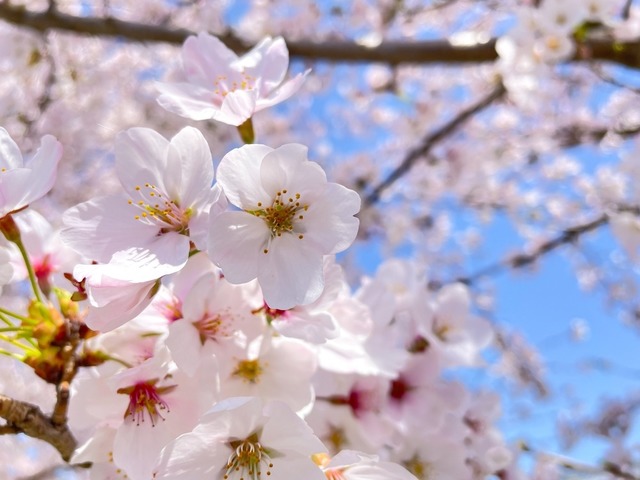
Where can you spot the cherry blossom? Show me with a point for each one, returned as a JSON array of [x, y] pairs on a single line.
[[22, 183], [351, 465], [291, 218], [223, 87], [174, 303], [167, 194], [243, 438]]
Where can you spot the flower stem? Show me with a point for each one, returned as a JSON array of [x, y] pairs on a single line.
[[246, 131], [11, 231], [16, 343], [4, 311], [32, 275]]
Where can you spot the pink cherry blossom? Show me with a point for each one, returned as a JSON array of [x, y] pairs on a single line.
[[22, 183], [223, 87]]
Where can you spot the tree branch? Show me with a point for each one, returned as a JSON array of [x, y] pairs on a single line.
[[390, 52], [59, 415], [566, 236], [429, 142], [573, 465], [30, 420], [522, 259]]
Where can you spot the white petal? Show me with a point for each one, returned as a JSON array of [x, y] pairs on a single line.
[[44, 165], [188, 100], [141, 157], [236, 242], [239, 176], [184, 344], [237, 107], [204, 57], [330, 223], [190, 155], [290, 273], [285, 431], [283, 92], [100, 227], [10, 156]]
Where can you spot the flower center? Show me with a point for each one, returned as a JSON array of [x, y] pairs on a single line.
[[213, 326], [271, 314], [399, 389], [283, 216], [223, 85], [249, 370], [419, 468], [145, 397], [322, 460], [43, 268], [553, 42], [172, 310], [158, 210], [249, 458]]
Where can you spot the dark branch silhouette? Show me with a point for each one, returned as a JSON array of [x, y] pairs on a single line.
[[428, 142], [389, 52], [522, 259], [528, 257]]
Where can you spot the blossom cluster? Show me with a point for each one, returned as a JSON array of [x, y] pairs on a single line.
[[547, 35], [218, 337]]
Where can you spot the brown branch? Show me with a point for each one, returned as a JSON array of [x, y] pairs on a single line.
[[626, 10], [566, 236], [573, 465], [30, 420], [390, 52], [59, 415], [525, 370], [572, 135], [522, 259], [430, 141], [8, 430]]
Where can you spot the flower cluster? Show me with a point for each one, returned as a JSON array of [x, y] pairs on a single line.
[[547, 35], [218, 337]]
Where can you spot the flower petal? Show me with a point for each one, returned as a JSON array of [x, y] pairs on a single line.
[[141, 157], [10, 155], [188, 100], [239, 176], [191, 174], [236, 241], [290, 273]]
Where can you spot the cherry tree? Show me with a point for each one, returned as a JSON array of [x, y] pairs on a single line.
[[245, 239]]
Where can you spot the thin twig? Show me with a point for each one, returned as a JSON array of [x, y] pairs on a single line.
[[565, 237], [430, 141], [522, 259], [626, 10], [574, 465]]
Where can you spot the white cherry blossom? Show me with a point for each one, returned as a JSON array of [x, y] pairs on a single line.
[[290, 218], [167, 193], [22, 183], [223, 87], [244, 438]]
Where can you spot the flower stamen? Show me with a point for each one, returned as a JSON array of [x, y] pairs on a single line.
[[145, 397], [157, 209], [283, 216], [249, 458], [249, 370]]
